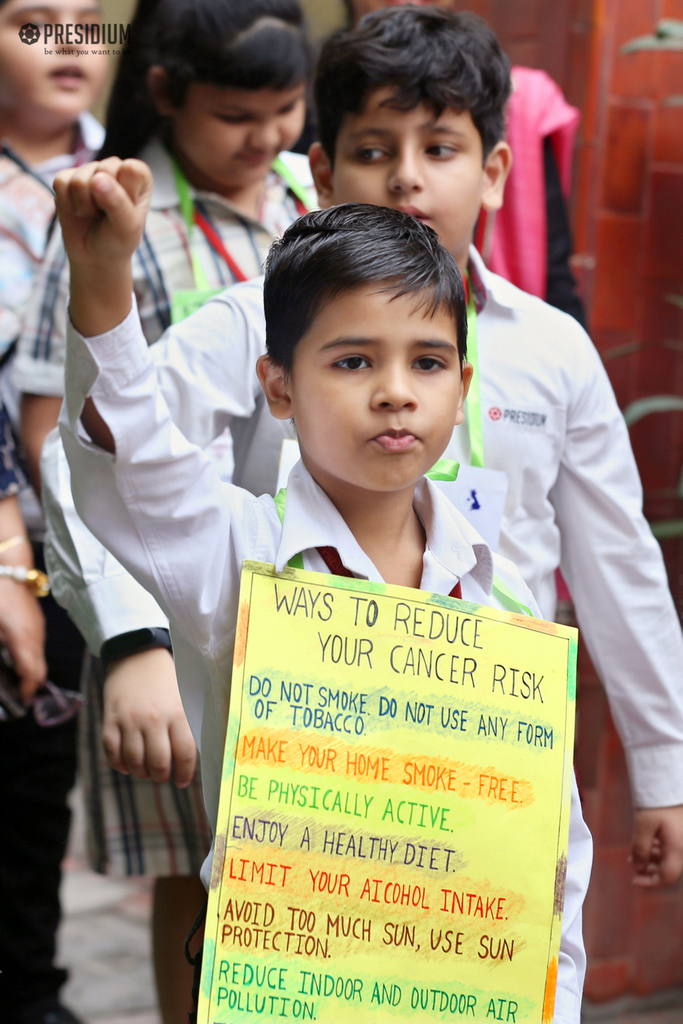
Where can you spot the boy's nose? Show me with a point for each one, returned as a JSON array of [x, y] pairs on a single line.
[[394, 391], [405, 175]]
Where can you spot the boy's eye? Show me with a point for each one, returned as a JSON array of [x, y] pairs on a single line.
[[369, 153], [428, 363], [234, 118], [352, 363], [442, 151]]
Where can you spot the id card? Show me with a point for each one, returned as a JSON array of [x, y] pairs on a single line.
[[479, 494]]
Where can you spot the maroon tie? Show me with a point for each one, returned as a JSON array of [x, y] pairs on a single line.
[[330, 557]]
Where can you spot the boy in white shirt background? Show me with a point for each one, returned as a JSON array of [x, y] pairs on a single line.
[[405, 124]]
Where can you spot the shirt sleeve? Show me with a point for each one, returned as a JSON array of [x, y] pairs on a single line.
[[202, 365], [94, 588], [615, 571], [207, 371], [157, 504], [571, 969], [206, 364], [39, 362], [17, 266]]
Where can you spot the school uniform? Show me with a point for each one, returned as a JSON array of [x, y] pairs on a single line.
[[136, 826], [161, 508], [549, 420]]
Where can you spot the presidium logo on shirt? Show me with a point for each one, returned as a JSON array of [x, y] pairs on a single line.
[[520, 417]]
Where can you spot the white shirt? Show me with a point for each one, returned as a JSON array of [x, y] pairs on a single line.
[[574, 498], [160, 507]]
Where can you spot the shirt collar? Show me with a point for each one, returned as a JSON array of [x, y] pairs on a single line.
[[476, 270], [312, 521], [487, 287], [164, 191], [91, 133]]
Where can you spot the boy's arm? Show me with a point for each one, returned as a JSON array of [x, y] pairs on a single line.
[[158, 505], [102, 209], [616, 575], [22, 625]]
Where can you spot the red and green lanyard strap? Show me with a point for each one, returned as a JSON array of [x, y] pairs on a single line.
[[192, 217], [444, 469]]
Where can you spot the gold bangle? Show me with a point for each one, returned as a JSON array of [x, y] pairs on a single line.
[[37, 581], [12, 542]]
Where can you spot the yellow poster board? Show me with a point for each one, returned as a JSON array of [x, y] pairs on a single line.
[[394, 810]]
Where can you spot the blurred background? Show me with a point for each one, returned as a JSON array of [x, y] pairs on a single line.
[[620, 62]]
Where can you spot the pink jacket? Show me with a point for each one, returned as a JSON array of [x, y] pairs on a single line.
[[536, 109]]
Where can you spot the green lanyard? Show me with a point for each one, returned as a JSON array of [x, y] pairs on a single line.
[[294, 186], [474, 420], [186, 301], [187, 210], [444, 469]]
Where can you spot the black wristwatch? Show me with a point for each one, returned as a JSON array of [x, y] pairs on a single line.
[[135, 642]]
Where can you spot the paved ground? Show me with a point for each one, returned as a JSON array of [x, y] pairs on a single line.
[[104, 942]]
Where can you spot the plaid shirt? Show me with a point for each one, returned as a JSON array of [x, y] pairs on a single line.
[[26, 210], [162, 265]]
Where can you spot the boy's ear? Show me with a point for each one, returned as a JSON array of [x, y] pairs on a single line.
[[321, 169], [157, 83], [275, 384], [467, 371], [496, 169]]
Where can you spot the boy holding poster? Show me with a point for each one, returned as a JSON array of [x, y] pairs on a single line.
[[547, 415], [366, 331]]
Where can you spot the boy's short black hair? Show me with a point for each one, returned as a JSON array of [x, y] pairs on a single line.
[[428, 55], [329, 252]]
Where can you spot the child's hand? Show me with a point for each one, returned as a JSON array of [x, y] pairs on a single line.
[[657, 852], [145, 730], [102, 208], [22, 629]]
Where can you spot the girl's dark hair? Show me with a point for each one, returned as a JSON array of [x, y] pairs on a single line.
[[329, 252], [246, 44], [427, 55]]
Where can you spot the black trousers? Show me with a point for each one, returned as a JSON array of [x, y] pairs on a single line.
[[37, 770]]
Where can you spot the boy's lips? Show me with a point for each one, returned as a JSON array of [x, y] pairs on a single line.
[[70, 77], [395, 440], [413, 211]]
